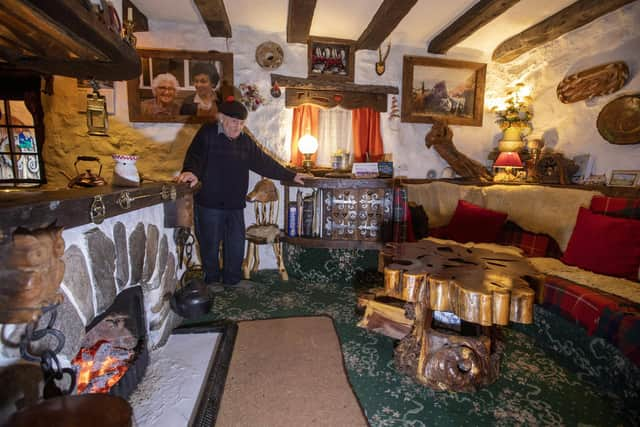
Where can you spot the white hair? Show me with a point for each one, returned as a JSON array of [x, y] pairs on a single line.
[[168, 77]]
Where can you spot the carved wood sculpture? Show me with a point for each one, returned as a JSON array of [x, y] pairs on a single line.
[[31, 270], [441, 138], [476, 285], [597, 81], [264, 196]]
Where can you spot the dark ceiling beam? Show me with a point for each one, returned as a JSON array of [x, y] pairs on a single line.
[[479, 15], [386, 19], [215, 17], [568, 19], [140, 22], [299, 20]]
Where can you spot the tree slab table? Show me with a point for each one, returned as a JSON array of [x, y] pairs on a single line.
[[476, 289]]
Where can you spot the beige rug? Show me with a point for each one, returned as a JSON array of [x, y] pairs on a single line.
[[288, 372]]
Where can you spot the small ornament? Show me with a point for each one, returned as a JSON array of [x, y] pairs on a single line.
[[394, 115], [381, 64], [269, 55], [275, 90], [250, 96]]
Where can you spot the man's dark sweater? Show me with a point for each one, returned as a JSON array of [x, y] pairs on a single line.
[[222, 165]]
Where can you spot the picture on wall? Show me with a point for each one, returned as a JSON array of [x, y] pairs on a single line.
[[331, 59], [442, 89], [179, 86]]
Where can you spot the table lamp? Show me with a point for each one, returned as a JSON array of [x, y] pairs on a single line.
[[307, 145], [508, 160]]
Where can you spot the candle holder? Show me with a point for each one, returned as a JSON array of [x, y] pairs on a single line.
[[127, 29]]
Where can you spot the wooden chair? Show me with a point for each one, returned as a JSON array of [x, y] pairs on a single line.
[[264, 196]]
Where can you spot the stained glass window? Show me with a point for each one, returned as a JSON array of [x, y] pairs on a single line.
[[20, 161]]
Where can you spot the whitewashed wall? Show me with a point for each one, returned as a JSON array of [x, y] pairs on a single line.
[[569, 128]]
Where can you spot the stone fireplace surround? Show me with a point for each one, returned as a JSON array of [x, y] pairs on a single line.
[[131, 249]]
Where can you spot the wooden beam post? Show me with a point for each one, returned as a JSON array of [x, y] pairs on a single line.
[[568, 19], [299, 20], [386, 19], [215, 17], [479, 15]]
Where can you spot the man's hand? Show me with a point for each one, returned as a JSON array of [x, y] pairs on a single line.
[[189, 178], [299, 178]]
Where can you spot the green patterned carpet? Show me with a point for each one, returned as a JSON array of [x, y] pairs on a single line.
[[532, 390]]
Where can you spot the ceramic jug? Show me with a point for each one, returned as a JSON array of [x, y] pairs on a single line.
[[125, 173]]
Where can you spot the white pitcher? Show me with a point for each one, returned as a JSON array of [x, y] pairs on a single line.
[[125, 173]]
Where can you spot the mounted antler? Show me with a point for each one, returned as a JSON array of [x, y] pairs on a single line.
[[380, 65]]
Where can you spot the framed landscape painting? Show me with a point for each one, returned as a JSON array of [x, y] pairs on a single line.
[[166, 89], [442, 89]]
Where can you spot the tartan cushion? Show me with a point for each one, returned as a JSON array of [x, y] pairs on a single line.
[[611, 317], [616, 206], [532, 244]]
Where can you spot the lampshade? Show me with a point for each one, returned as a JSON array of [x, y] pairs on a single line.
[[308, 144], [508, 159]]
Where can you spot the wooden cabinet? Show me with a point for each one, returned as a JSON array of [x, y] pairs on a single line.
[[347, 213]]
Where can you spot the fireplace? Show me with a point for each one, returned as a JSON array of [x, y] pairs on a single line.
[[113, 355], [129, 258]]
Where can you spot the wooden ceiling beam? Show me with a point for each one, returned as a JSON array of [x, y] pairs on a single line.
[[215, 17], [479, 15], [299, 20], [568, 19], [386, 19]]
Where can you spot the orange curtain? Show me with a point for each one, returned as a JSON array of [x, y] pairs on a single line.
[[305, 121], [365, 123]]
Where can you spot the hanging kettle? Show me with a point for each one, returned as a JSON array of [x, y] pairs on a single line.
[[192, 298]]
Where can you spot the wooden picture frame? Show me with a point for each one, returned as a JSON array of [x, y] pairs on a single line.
[[331, 59], [624, 178], [442, 89], [180, 64]]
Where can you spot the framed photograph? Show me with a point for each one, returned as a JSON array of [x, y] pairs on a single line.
[[585, 167], [331, 59], [442, 89], [178, 86], [624, 178]]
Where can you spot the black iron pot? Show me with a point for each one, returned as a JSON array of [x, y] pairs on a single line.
[[193, 299]]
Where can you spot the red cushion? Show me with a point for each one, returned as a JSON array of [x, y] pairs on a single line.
[[605, 245], [472, 223], [616, 206]]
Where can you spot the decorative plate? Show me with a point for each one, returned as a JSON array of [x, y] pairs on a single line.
[[269, 55], [619, 120]]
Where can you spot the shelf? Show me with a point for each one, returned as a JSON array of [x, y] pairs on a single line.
[[338, 183], [309, 242], [62, 37]]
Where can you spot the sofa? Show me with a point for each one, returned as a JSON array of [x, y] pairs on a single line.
[[587, 246]]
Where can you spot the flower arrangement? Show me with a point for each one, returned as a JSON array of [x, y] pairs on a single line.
[[516, 112], [250, 96]]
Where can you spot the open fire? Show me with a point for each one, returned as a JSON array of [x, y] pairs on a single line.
[[113, 355]]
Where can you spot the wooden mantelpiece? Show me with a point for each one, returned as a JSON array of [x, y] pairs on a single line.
[[36, 209], [332, 93]]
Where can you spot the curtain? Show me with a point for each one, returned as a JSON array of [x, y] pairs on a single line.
[[334, 134], [305, 121], [366, 135]]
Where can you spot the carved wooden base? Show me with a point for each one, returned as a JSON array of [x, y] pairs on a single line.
[[448, 361]]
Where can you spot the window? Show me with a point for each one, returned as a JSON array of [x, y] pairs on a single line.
[[20, 160]]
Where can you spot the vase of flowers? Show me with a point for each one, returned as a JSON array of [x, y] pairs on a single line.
[[514, 119]]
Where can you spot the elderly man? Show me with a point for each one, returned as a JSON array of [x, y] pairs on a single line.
[[163, 104], [220, 156]]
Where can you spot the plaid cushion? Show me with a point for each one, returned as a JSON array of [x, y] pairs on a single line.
[[611, 317], [616, 206], [533, 244]]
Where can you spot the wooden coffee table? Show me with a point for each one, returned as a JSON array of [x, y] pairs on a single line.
[[482, 289]]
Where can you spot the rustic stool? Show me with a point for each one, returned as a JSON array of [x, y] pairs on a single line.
[[264, 196]]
